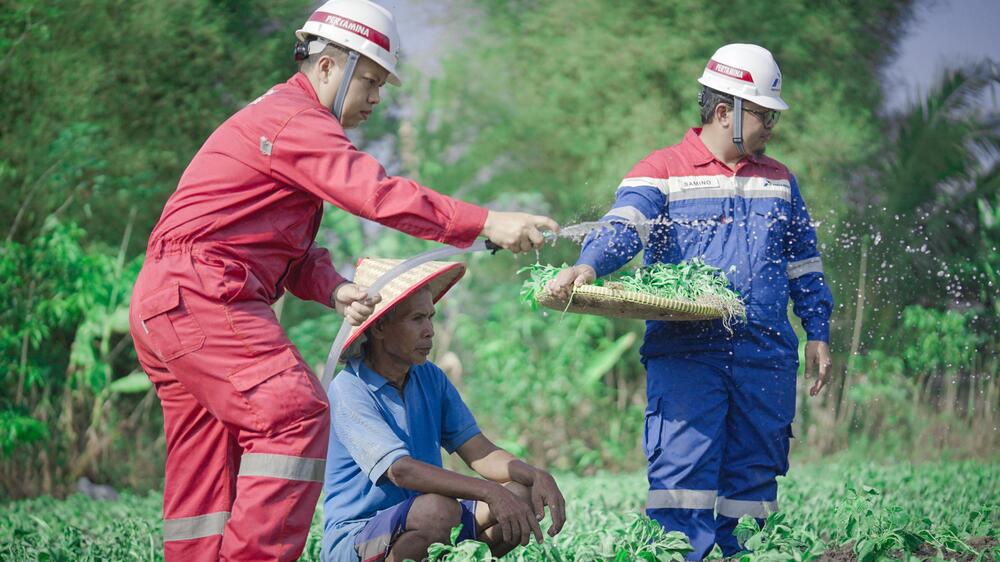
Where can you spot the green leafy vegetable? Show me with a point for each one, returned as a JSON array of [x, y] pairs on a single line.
[[692, 281]]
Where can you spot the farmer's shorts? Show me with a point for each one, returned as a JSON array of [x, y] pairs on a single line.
[[375, 540]]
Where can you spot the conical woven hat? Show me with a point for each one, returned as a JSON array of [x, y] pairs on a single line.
[[439, 276]]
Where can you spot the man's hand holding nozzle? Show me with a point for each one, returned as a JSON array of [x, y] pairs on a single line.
[[517, 232]]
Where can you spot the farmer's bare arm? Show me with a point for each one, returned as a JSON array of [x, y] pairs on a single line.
[[425, 478], [494, 463], [514, 516]]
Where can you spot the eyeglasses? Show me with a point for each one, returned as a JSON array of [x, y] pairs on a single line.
[[768, 117]]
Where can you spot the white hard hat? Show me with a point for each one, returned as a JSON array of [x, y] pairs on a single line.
[[745, 71], [357, 25]]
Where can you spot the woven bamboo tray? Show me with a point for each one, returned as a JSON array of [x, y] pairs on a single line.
[[613, 301]]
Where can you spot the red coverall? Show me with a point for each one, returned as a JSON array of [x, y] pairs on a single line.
[[246, 422]]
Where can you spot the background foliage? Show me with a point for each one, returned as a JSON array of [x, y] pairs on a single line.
[[543, 108], [104, 103]]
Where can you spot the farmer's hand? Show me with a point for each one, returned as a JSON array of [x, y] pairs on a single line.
[[514, 516], [517, 232], [352, 301], [545, 492], [562, 285], [818, 360]]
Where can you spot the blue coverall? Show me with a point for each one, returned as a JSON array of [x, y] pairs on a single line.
[[720, 404]]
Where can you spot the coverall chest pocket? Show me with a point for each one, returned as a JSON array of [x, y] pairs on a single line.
[[768, 226], [279, 391], [694, 225], [172, 328]]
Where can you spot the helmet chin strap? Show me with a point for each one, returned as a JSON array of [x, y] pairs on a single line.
[[345, 83], [738, 125]]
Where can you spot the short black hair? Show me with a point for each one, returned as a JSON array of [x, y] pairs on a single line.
[[709, 99]]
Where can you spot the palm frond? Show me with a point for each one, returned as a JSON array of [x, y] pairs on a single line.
[[943, 139]]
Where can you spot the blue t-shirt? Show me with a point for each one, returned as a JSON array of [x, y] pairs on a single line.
[[372, 427]]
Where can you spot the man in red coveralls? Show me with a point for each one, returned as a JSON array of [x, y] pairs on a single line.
[[246, 422]]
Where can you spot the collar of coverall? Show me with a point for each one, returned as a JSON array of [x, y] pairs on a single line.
[[701, 155], [300, 80]]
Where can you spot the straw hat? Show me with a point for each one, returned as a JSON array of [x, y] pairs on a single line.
[[439, 276]]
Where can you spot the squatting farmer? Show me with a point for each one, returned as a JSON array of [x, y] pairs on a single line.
[[386, 495], [721, 404], [246, 421]]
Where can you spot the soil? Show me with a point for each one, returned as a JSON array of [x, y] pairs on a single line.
[[925, 552]]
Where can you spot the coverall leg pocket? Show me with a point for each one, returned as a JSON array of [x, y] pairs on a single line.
[[651, 434], [279, 390], [171, 326]]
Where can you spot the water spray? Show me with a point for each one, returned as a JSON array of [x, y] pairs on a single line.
[[577, 233]]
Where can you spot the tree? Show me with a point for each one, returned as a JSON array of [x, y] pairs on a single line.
[[928, 200], [103, 105]]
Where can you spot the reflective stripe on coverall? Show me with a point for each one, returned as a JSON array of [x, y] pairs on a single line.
[[245, 420], [720, 404]]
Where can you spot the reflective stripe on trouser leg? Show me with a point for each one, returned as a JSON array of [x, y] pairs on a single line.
[[683, 440], [727, 515], [681, 499], [199, 526], [738, 508], [282, 466], [688, 511]]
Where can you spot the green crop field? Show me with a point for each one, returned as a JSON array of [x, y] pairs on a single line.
[[933, 511]]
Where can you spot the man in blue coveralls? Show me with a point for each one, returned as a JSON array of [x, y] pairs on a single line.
[[721, 404], [385, 494]]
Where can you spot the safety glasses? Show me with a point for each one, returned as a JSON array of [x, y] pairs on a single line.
[[768, 117]]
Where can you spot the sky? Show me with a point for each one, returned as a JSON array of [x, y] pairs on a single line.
[[942, 33], [427, 28]]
